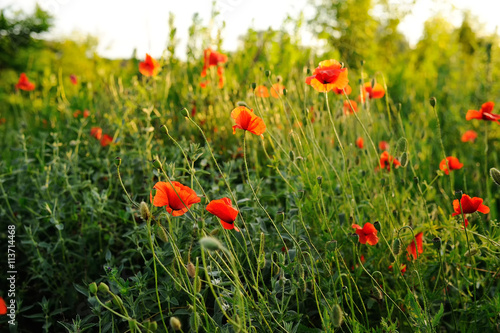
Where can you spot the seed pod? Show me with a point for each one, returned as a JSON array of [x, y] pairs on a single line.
[[156, 164], [320, 180], [254, 85], [175, 323], [437, 243], [118, 161], [396, 246], [377, 225], [268, 73], [432, 101], [337, 315]]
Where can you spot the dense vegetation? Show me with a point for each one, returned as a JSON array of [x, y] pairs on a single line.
[[82, 151]]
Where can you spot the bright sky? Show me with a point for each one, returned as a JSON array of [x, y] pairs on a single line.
[[122, 25]]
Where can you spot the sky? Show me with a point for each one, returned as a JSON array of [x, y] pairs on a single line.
[[122, 25]]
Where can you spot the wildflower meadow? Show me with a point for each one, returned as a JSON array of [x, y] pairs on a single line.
[[352, 186]]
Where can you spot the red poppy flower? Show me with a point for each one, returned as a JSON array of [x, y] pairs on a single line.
[[453, 164], [347, 89], [367, 234], [96, 132], [403, 268], [204, 84], [149, 67], [77, 113], [24, 83], [376, 91], [350, 107], [106, 140], [327, 76], [86, 113], [383, 145], [277, 90], [484, 113], [247, 120], [261, 91], [386, 160], [3, 307], [74, 79], [176, 198], [212, 58], [2, 121], [360, 142], [225, 211], [469, 136], [469, 206], [412, 248]]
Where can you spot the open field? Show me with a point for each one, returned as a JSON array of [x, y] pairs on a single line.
[[274, 188]]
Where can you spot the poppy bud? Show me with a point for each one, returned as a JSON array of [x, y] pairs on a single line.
[[458, 194], [143, 208], [210, 243], [118, 161], [377, 293], [396, 246], [284, 91], [437, 243], [474, 251], [175, 323], [165, 127], [254, 85], [291, 154], [337, 315], [377, 225], [403, 159], [373, 82], [342, 218], [495, 175], [320, 180], [93, 288], [184, 112], [432, 101], [153, 326], [362, 62], [191, 269], [156, 164], [268, 73], [308, 71], [103, 288], [242, 103]]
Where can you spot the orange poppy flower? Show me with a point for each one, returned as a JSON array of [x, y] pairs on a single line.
[[327, 76], [247, 120], [2, 121], [176, 198], [469, 206], [376, 91], [24, 83], [403, 268], [469, 136], [149, 67], [74, 79], [225, 211], [453, 164], [3, 307], [386, 160], [77, 113], [347, 89], [106, 140], [96, 132], [484, 113], [383, 145], [261, 91], [367, 234], [412, 248], [360, 142], [350, 107], [277, 90]]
